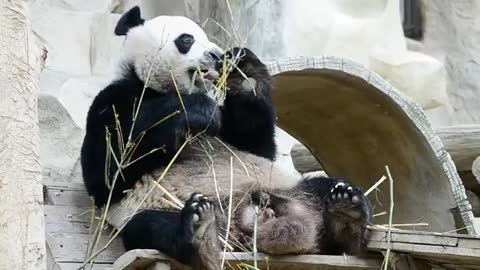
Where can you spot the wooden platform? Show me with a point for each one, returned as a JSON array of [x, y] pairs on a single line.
[[68, 215], [67, 224], [410, 250], [151, 259]]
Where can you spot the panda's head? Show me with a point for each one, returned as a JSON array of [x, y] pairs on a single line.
[[165, 46]]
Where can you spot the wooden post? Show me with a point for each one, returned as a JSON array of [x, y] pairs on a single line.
[[22, 234]]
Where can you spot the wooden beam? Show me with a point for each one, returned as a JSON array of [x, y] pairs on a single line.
[[423, 247], [476, 168], [142, 259], [461, 142]]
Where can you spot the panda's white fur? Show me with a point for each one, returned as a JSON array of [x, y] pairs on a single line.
[[209, 166], [151, 49]]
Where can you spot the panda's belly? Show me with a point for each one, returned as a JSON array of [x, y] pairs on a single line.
[[209, 167]]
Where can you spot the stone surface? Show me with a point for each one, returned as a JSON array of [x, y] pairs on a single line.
[[419, 76], [152, 8], [80, 5], [368, 32], [452, 35], [105, 47], [66, 36], [76, 95], [60, 142]]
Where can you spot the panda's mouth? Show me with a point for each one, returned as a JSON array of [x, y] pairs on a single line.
[[203, 73]]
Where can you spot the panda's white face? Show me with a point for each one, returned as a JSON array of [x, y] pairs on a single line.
[[172, 45]]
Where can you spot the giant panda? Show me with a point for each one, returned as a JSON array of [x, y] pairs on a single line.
[[161, 105]]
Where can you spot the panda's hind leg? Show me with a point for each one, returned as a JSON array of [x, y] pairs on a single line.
[[199, 218], [284, 225], [346, 216], [189, 236]]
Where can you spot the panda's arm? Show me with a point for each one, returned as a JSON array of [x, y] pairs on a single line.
[[165, 120], [158, 133], [248, 116]]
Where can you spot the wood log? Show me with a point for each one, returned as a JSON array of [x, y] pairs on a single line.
[[476, 169], [22, 244], [461, 142], [474, 202]]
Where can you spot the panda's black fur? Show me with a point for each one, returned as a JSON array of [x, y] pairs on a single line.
[[314, 214], [121, 95]]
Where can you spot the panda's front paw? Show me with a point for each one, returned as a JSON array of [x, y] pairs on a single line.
[[202, 114], [198, 214], [246, 71], [346, 199]]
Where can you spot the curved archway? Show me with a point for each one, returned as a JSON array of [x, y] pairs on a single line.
[[355, 123]]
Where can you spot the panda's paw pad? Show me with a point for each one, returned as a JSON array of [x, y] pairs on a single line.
[[343, 192], [347, 199], [200, 207]]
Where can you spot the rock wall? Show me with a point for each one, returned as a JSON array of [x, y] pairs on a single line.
[[452, 35], [81, 55]]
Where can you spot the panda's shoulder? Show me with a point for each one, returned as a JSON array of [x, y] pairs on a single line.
[[122, 89]]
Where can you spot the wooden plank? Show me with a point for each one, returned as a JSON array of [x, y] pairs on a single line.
[[414, 238], [136, 259], [463, 266], [303, 160], [143, 258], [462, 143], [410, 232], [68, 227], [75, 266], [407, 262], [61, 213], [67, 196], [65, 185], [466, 255], [51, 263], [469, 243], [72, 247]]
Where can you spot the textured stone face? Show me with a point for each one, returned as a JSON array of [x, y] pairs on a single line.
[[368, 32], [452, 35], [82, 53]]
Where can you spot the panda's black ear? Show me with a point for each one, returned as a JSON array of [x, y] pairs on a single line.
[[128, 20]]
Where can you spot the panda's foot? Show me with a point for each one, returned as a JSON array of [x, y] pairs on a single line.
[[198, 214], [348, 200], [348, 213], [199, 221], [248, 71]]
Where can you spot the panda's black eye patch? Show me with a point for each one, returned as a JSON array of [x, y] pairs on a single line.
[[184, 42]]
